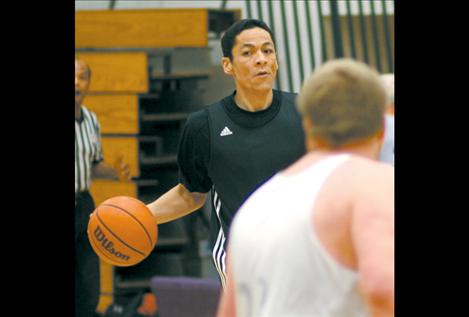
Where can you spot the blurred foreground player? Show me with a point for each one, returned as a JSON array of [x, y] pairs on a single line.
[[318, 238], [387, 150]]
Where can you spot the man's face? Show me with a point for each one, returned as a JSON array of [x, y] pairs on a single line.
[[82, 81], [254, 64]]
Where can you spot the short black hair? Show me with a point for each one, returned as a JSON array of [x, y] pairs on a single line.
[[229, 38]]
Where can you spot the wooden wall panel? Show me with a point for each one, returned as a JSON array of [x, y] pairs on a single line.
[[117, 114], [153, 28], [117, 71], [122, 147]]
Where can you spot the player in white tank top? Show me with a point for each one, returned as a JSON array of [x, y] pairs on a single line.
[[317, 239], [387, 150], [319, 286]]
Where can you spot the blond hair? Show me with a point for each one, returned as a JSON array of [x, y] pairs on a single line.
[[388, 82], [345, 101]]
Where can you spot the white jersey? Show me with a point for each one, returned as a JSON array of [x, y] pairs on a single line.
[[387, 151], [279, 266]]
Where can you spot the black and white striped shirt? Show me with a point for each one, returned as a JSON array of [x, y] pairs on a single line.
[[87, 148]]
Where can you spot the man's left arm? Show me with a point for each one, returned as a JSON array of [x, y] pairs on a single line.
[[227, 301], [120, 171], [100, 169]]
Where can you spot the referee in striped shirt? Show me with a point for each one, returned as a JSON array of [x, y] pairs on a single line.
[[89, 164]]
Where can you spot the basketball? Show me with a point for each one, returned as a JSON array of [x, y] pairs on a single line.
[[122, 231]]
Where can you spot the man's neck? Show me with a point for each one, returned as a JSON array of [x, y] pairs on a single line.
[[313, 155], [368, 150], [77, 112], [253, 100]]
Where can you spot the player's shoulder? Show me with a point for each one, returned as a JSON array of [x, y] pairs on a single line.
[[287, 97], [361, 169], [363, 163], [88, 114], [197, 120], [369, 185], [201, 116], [286, 94], [198, 116], [86, 111]]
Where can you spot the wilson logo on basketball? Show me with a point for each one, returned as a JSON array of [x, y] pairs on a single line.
[[108, 245]]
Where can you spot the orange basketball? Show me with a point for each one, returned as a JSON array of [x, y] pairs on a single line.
[[122, 231]]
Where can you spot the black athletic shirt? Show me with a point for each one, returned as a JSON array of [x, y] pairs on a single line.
[[231, 152]]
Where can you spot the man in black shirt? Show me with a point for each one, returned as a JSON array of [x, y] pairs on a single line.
[[234, 145]]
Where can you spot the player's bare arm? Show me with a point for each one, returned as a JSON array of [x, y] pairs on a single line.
[[176, 203], [105, 170], [227, 306], [373, 237]]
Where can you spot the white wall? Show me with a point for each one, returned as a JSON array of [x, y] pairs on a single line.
[[277, 18], [139, 4], [91, 5]]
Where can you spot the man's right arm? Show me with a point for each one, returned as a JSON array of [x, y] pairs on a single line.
[[373, 236], [193, 155], [176, 203]]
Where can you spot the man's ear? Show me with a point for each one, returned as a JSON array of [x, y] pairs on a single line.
[[382, 131], [307, 128], [227, 66]]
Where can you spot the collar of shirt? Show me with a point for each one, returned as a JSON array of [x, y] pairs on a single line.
[[80, 120], [251, 119]]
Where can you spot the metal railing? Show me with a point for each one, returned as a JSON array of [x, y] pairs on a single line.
[[309, 32]]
